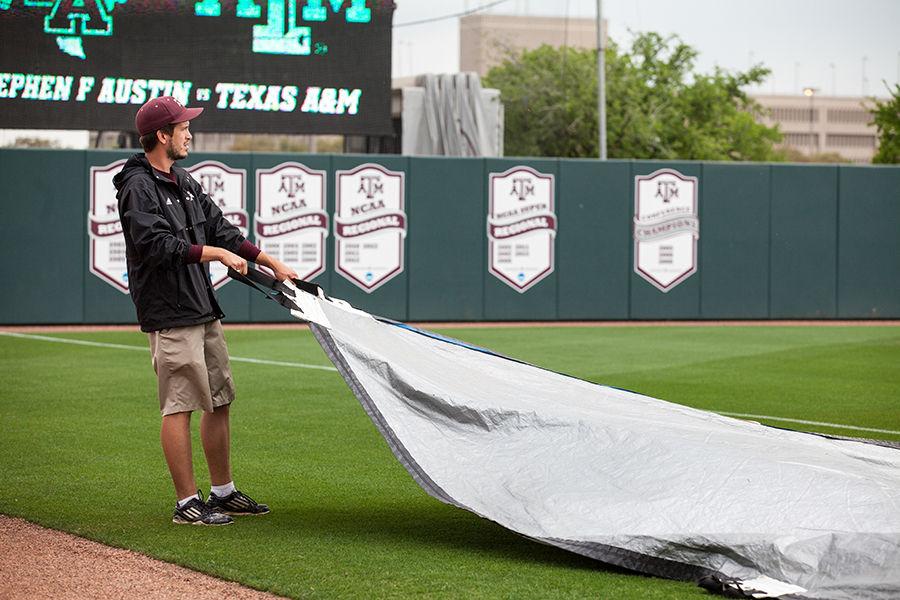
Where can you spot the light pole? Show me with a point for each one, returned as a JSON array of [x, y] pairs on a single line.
[[865, 80], [601, 82], [810, 92]]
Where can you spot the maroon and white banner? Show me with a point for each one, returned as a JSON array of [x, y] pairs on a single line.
[[387, 221], [521, 227], [290, 221], [666, 227], [226, 187], [369, 225], [106, 243]]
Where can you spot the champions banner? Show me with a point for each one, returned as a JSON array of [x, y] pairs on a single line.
[[666, 227]]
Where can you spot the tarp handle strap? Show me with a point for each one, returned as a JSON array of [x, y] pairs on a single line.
[[266, 280], [272, 288], [263, 279]]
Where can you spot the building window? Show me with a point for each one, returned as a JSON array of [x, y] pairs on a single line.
[[800, 140], [850, 141], [787, 114], [846, 115]]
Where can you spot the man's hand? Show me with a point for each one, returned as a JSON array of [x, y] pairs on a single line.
[[281, 270], [229, 259], [232, 261]]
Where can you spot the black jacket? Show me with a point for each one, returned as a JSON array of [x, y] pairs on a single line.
[[160, 220]]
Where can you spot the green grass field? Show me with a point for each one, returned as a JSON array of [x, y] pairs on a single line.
[[79, 452]]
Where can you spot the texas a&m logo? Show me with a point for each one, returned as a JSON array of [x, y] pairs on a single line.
[[106, 241], [521, 227], [369, 225], [522, 187], [291, 223], [226, 187], [666, 227]]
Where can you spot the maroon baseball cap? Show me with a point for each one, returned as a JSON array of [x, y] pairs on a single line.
[[159, 112]]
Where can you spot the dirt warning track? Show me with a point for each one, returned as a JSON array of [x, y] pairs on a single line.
[[36, 562]]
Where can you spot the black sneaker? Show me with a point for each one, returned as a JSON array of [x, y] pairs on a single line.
[[196, 512], [236, 503]]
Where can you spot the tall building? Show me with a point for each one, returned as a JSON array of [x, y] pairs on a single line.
[[814, 124], [485, 40]]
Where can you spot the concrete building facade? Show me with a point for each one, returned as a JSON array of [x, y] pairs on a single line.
[[485, 40], [817, 124]]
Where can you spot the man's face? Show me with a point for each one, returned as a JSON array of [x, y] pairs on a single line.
[[179, 141]]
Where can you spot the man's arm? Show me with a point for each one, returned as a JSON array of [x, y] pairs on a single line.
[[247, 252], [250, 252], [281, 270], [229, 259]]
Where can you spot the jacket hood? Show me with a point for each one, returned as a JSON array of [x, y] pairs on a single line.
[[135, 165]]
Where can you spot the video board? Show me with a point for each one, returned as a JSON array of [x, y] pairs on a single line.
[[268, 66]]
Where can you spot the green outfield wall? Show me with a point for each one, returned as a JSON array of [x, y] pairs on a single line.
[[773, 241]]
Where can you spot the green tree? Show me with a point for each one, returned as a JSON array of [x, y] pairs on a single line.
[[886, 116], [657, 106]]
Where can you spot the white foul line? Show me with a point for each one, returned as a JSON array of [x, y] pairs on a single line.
[[803, 422], [278, 363], [256, 361], [47, 338]]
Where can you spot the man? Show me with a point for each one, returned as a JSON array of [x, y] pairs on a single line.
[[172, 229]]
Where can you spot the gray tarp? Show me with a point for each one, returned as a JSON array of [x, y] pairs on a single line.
[[620, 477], [451, 115]]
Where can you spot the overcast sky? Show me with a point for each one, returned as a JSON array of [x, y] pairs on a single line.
[[799, 40]]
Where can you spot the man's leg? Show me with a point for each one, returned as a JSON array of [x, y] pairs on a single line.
[[215, 433], [176, 443], [183, 388], [175, 436]]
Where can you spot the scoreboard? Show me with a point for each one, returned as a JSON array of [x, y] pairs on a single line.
[[275, 66]]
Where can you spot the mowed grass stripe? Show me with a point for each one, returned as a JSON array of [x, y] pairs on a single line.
[[80, 452], [62, 340], [328, 368]]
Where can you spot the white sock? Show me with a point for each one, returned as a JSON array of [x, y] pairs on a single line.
[[222, 490], [184, 501]]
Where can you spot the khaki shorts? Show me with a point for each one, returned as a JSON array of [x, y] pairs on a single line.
[[192, 366]]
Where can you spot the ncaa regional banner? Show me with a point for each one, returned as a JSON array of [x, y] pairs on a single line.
[[106, 241], [369, 225], [521, 227], [666, 227], [290, 222], [226, 188]]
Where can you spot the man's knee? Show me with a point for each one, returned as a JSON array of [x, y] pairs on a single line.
[[177, 418]]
